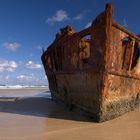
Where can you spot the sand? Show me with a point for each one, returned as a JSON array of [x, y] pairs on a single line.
[[36, 117]]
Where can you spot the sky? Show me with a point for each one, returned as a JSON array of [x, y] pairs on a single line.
[[27, 26]]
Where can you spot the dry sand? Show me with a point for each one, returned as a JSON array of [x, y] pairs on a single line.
[[38, 118]]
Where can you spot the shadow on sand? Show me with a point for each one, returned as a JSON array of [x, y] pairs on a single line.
[[42, 107]]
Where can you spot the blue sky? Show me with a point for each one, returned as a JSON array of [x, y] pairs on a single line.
[[26, 26]]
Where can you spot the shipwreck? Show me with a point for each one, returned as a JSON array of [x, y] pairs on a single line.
[[96, 69]]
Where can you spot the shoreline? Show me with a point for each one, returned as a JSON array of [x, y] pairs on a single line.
[[42, 119], [24, 87]]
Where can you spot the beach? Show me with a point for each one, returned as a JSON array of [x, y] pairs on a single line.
[[30, 114]]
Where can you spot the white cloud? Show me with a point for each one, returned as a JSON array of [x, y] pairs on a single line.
[[79, 16], [25, 77], [31, 79], [60, 15], [6, 65], [22, 79], [12, 46], [88, 25], [32, 65]]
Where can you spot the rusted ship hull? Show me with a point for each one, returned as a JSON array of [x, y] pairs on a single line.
[[97, 69]]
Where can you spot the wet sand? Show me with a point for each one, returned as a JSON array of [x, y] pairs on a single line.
[[36, 117]]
